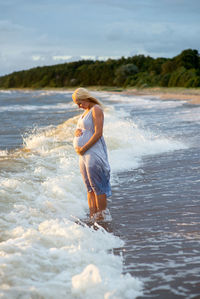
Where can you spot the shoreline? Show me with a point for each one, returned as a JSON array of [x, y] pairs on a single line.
[[191, 95]]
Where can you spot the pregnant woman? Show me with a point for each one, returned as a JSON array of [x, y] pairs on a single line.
[[91, 148]]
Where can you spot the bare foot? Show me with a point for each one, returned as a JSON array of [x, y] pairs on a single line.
[[99, 216]]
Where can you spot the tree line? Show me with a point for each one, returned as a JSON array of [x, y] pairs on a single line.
[[141, 71]]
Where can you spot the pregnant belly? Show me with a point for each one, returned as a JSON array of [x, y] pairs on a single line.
[[83, 139]]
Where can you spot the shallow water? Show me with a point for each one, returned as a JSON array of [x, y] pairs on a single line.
[[160, 224], [153, 239], [156, 207]]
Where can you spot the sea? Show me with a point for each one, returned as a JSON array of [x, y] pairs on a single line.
[[150, 248]]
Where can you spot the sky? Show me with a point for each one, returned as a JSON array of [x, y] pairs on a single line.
[[46, 32]]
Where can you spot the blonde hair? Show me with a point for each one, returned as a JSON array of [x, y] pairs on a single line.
[[83, 94]]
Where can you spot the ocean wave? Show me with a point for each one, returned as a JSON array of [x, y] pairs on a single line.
[[15, 108], [45, 252]]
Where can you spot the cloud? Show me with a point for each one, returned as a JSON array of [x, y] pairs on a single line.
[[27, 60], [62, 57], [44, 32], [147, 6], [10, 31], [155, 39], [38, 58], [14, 37]]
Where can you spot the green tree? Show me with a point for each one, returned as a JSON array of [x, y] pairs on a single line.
[[123, 72], [188, 59], [138, 70], [168, 67]]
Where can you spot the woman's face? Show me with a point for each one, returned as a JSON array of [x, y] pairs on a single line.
[[82, 104]]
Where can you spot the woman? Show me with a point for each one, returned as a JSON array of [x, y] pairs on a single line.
[[91, 148]]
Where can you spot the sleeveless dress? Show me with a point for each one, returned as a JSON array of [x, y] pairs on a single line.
[[94, 165]]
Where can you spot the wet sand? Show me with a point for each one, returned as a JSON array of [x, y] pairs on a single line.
[[156, 213]]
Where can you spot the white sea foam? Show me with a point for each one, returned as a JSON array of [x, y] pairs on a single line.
[[188, 116], [44, 253], [5, 91], [3, 153], [54, 92], [58, 106], [128, 143], [145, 101]]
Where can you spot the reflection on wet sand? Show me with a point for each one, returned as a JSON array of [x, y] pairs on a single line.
[[160, 224]]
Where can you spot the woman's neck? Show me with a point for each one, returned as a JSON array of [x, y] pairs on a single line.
[[91, 106]]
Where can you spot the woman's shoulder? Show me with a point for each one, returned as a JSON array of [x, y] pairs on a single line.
[[97, 112], [97, 108]]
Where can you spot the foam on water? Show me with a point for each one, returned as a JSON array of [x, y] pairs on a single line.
[[128, 143], [3, 153], [35, 107], [53, 92], [145, 102], [44, 253], [5, 91]]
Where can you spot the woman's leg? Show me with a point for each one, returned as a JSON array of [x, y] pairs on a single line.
[[92, 203], [90, 195], [101, 204], [95, 177], [97, 204]]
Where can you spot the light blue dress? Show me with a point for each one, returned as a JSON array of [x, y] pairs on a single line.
[[94, 165]]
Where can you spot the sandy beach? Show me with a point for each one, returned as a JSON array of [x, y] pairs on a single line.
[[190, 95]]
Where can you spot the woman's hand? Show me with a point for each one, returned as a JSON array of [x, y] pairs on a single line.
[[78, 132], [80, 150]]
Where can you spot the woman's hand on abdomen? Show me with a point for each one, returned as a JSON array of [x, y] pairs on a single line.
[[80, 150], [78, 133]]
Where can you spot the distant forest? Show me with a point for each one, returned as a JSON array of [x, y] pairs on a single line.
[[141, 71]]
